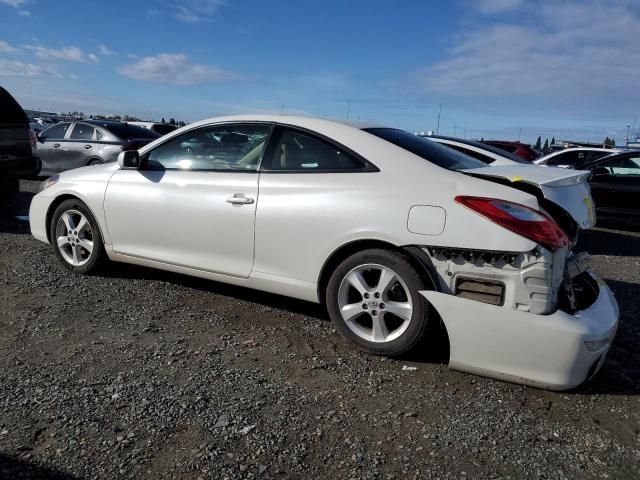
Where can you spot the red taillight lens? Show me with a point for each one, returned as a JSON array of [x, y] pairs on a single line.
[[33, 139], [522, 220]]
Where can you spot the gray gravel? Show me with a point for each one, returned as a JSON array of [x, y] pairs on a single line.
[[135, 373]]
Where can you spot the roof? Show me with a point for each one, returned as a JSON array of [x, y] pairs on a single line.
[[295, 120]]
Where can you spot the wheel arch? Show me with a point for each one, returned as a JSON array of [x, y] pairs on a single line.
[[62, 198], [91, 159], [421, 262]]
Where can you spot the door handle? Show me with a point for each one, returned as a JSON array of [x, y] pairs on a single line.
[[240, 199], [56, 145], [87, 147]]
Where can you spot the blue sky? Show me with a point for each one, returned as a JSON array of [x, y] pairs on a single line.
[[502, 68]]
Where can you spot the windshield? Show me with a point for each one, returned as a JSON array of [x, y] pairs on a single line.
[[431, 151]]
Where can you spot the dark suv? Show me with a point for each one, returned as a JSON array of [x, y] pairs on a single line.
[[523, 150], [17, 147]]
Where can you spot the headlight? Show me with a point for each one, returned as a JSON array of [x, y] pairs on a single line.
[[49, 182]]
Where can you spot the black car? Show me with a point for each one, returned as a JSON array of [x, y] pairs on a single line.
[[615, 184], [17, 145], [68, 145]]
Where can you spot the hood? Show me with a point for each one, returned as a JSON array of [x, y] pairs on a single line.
[[566, 188]]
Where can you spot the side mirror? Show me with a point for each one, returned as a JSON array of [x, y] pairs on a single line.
[[129, 159], [41, 138]]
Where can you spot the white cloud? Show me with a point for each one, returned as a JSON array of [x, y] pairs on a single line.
[[578, 54], [69, 54], [6, 48], [106, 51], [175, 69], [14, 3], [12, 68], [194, 11], [496, 6]]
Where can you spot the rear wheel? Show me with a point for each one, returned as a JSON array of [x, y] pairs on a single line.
[[75, 236], [372, 297]]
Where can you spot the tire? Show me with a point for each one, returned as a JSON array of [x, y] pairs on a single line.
[[78, 239], [353, 290], [95, 161]]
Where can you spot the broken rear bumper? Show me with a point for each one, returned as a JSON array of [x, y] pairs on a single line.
[[546, 351]]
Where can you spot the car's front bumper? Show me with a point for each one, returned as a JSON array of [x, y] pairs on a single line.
[[546, 351], [38, 217]]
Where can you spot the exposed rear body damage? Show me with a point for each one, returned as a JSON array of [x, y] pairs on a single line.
[[557, 351]]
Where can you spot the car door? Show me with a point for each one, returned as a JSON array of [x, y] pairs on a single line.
[[193, 201], [615, 186], [77, 148], [49, 148], [311, 189]]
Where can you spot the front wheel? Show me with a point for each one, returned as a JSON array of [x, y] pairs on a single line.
[[75, 236], [372, 297]]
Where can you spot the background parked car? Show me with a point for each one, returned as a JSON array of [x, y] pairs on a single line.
[[480, 151], [69, 145], [615, 185], [159, 128], [17, 146], [571, 157], [522, 150]]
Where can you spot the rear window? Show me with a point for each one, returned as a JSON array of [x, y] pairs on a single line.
[[433, 152], [124, 131], [11, 112]]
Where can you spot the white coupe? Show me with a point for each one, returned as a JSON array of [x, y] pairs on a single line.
[[394, 233]]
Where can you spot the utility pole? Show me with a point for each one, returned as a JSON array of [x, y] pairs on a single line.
[[438, 124], [348, 108], [465, 129], [633, 129], [519, 133]]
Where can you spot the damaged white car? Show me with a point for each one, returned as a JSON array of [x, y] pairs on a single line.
[[396, 234]]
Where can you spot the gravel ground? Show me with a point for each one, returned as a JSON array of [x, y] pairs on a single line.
[[135, 373]]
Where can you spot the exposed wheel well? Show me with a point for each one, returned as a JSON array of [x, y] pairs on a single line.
[[350, 248], [52, 208]]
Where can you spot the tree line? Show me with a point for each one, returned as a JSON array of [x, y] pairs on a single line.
[[607, 142]]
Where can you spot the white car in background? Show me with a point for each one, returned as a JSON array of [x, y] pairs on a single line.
[[480, 151], [391, 231], [571, 157]]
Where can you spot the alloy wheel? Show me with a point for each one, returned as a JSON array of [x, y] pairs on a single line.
[[74, 238], [375, 303]]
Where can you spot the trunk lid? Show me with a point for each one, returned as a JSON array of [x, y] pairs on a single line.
[[565, 188]]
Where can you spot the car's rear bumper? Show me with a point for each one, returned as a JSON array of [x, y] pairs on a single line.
[[547, 351]]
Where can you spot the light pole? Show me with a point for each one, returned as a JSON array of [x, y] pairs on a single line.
[[626, 139], [438, 124]]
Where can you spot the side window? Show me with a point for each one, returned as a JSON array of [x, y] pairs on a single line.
[[216, 147], [566, 158], [297, 151], [472, 153], [56, 132], [622, 167], [82, 131]]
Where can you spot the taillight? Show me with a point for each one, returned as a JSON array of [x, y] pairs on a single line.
[[33, 139], [522, 220]]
